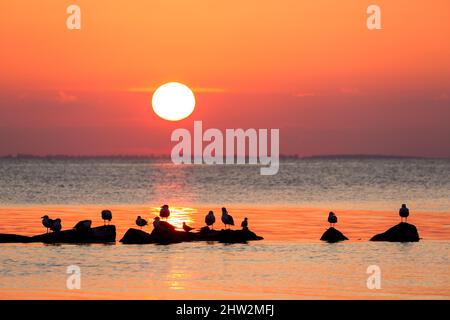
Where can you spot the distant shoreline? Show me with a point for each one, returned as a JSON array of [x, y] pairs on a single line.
[[167, 157]]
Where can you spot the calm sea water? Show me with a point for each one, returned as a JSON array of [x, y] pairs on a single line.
[[288, 209], [379, 184]]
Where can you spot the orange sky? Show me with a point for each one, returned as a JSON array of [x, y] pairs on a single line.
[[310, 68]]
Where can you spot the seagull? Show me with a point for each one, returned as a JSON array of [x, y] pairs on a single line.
[[164, 212], [332, 219], [56, 225], [210, 219], [403, 212], [141, 222], [83, 225], [226, 218], [186, 227], [156, 222], [162, 225], [244, 224], [47, 222], [106, 216]]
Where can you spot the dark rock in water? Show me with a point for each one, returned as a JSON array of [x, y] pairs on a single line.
[[13, 238], [83, 225], [102, 234], [333, 235], [136, 236], [402, 232], [228, 236], [168, 235], [161, 235]]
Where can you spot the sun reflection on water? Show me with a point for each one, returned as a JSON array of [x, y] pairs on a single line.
[[178, 215]]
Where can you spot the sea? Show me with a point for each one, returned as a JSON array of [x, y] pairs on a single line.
[[288, 209]]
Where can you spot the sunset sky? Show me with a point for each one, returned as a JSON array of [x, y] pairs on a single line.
[[310, 68]]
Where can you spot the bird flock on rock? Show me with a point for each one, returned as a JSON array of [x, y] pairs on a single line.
[[55, 225], [164, 213]]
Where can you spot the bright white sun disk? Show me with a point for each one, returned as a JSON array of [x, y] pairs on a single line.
[[173, 101]]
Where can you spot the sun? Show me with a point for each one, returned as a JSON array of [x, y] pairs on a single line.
[[173, 101]]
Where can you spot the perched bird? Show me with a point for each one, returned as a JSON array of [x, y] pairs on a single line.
[[186, 227], [106, 216], [210, 219], [164, 212], [244, 224], [162, 225], [47, 222], [226, 218], [403, 213], [141, 222], [56, 225], [332, 219], [83, 225], [156, 222]]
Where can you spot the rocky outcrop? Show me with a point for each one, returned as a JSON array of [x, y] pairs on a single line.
[[333, 235], [13, 238], [402, 232], [167, 236], [102, 234]]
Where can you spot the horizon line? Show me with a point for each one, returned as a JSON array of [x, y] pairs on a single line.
[[166, 156]]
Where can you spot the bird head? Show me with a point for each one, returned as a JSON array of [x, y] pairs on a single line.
[[331, 214], [404, 205], [156, 218], [44, 217], [224, 210]]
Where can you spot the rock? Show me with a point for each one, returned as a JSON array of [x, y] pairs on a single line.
[[102, 234], [135, 236], [402, 232], [168, 236], [333, 235], [11, 238], [228, 236]]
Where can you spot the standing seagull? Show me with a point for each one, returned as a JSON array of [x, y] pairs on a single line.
[[56, 225], [156, 222], [141, 222], [106, 216], [186, 227], [403, 212], [226, 218], [164, 212], [244, 224], [210, 219], [47, 222], [332, 219]]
